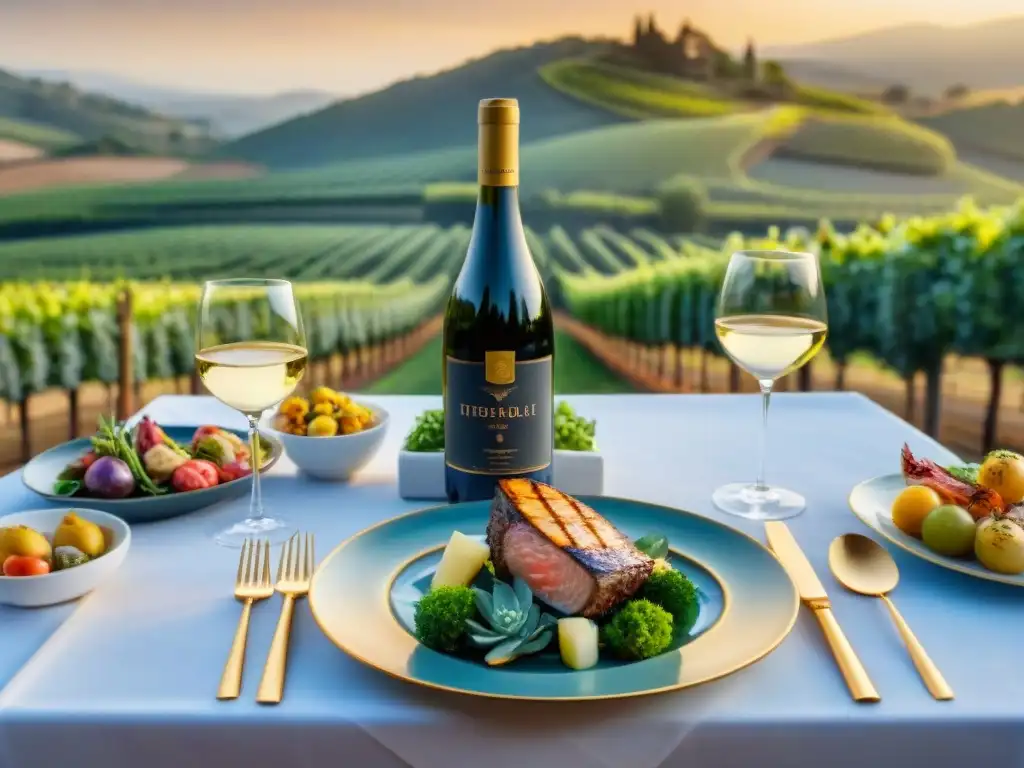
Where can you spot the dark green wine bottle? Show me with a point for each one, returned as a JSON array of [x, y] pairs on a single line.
[[499, 340]]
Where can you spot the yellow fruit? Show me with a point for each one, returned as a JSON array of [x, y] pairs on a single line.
[[323, 409], [83, 535], [912, 506], [322, 395], [25, 541], [294, 408], [322, 426], [349, 424], [1003, 472]]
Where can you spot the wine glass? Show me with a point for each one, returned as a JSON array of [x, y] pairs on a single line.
[[251, 354], [771, 319]]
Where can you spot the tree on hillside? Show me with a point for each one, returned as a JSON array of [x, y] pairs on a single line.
[[750, 62], [774, 77], [723, 66], [956, 91], [896, 94], [638, 30]]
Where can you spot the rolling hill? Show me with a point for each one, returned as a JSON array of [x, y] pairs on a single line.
[[927, 57], [91, 116], [431, 112], [227, 114]]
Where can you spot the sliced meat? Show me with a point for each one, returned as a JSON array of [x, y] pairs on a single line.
[[573, 559]]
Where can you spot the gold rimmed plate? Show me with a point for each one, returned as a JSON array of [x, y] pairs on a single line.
[[872, 501], [363, 594]]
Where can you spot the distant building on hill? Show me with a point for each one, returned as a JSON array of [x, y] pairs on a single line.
[[690, 54]]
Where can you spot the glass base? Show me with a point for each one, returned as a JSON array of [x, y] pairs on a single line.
[[768, 503], [272, 528]]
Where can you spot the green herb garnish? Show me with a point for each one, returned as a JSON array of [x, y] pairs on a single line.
[[427, 433], [66, 487], [654, 545], [573, 433], [965, 473]]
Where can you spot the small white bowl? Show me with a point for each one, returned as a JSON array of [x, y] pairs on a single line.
[[337, 457], [62, 586]]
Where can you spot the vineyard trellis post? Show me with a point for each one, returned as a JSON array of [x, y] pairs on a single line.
[[125, 388], [991, 425]]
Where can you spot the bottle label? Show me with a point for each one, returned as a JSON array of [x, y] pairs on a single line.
[[498, 414]]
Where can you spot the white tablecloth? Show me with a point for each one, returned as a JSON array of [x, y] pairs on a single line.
[[127, 676]]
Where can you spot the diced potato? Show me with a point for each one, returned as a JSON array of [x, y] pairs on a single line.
[[462, 560], [577, 642]]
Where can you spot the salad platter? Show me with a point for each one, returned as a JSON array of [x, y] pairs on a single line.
[[539, 595], [965, 517], [149, 472]]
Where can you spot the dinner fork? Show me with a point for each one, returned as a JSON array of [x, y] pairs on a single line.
[[251, 584], [293, 575]]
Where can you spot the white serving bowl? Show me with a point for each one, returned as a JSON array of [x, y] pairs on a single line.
[[337, 457], [61, 586]]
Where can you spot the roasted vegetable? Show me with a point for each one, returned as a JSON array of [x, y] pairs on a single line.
[[999, 544], [23, 565], [216, 448], [639, 630], [68, 557], [109, 478], [112, 440], [440, 617], [674, 592], [1003, 472], [160, 462], [195, 475]]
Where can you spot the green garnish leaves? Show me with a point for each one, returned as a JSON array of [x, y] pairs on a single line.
[[427, 433], [66, 487], [966, 473], [573, 433], [654, 545]]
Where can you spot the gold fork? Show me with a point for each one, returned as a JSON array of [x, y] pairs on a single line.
[[293, 575], [251, 584]]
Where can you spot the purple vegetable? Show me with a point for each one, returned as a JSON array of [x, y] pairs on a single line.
[[109, 478]]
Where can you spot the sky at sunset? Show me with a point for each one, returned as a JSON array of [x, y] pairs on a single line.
[[353, 46]]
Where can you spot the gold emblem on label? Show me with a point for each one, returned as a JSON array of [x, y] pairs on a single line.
[[498, 394], [499, 367]]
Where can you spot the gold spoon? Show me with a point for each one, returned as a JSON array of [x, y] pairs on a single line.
[[862, 565]]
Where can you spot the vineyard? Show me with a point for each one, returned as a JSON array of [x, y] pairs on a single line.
[[907, 293]]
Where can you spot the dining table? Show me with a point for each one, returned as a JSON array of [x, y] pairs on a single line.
[[127, 675]]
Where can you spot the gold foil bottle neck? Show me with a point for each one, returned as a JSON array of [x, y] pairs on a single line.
[[498, 164], [498, 112]]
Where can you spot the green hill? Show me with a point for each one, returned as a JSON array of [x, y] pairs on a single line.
[[61, 107], [41, 136], [997, 128], [428, 113]]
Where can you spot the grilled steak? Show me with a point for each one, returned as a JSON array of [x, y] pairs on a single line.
[[572, 558]]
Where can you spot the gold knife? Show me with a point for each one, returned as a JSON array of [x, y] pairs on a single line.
[[813, 594]]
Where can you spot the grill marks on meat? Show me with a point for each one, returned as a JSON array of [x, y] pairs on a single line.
[[572, 558]]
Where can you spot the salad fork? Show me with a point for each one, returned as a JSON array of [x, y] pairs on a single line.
[[293, 575], [251, 584]]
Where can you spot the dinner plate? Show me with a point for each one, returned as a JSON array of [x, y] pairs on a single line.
[[363, 595], [872, 500], [41, 472]]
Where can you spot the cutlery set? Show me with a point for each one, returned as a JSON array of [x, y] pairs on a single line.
[[861, 565], [252, 584]]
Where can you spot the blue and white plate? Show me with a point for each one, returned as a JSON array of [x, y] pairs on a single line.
[[872, 500], [363, 594], [41, 473]]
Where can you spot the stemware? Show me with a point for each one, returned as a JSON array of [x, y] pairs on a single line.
[[771, 319], [251, 354]]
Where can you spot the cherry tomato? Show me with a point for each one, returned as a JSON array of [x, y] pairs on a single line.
[[22, 565]]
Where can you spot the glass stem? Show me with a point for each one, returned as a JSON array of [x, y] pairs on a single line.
[[766, 394], [256, 503]]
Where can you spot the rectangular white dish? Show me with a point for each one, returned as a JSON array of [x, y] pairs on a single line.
[[421, 474]]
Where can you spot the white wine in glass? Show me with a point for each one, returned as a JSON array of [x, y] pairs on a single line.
[[771, 319], [251, 367]]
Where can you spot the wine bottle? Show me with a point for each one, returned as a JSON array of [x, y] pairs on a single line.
[[499, 340]]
